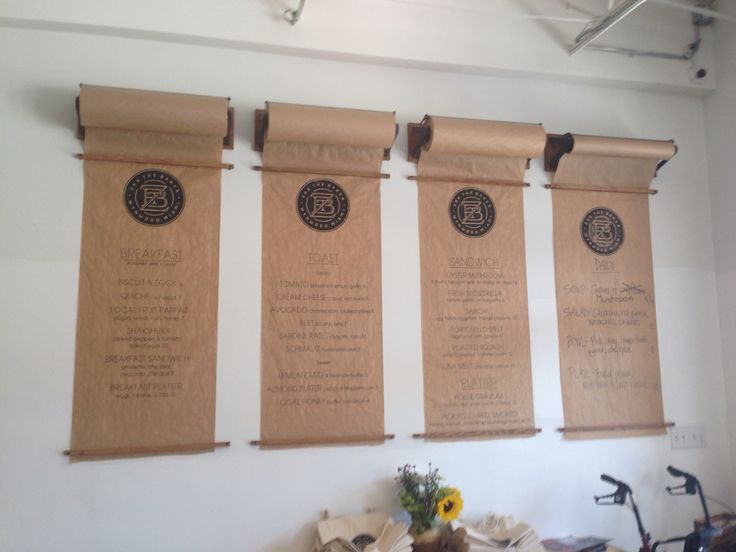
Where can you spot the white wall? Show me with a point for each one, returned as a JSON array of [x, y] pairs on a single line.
[[720, 109], [244, 499], [499, 37]]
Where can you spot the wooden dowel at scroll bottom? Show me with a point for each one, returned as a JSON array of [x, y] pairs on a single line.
[[470, 181], [328, 172], [318, 441], [86, 157], [446, 435], [131, 451], [616, 189], [629, 427]]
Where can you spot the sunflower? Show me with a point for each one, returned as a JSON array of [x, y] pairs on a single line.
[[448, 508]]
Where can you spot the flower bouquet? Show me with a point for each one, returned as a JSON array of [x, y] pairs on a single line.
[[425, 499]]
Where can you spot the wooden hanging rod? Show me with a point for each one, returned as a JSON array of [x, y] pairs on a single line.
[[615, 189], [622, 427], [320, 171], [447, 435], [132, 451], [470, 181], [87, 157], [318, 441]]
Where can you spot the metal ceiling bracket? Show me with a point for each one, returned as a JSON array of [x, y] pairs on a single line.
[[600, 25], [698, 21], [704, 8], [293, 16]]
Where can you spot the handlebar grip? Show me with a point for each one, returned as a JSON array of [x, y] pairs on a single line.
[[609, 479], [675, 472]]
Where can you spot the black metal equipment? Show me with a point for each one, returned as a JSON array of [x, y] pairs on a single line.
[[619, 497], [698, 540]]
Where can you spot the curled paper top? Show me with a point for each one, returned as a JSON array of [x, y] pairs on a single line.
[[328, 125], [349, 527], [485, 138], [125, 109], [602, 146]]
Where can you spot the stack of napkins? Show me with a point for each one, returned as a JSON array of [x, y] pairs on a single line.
[[394, 538], [374, 532], [501, 533]]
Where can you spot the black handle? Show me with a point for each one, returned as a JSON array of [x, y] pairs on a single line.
[[692, 486], [618, 497], [609, 479], [676, 473]]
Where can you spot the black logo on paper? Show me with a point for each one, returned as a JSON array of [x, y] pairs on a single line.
[[322, 205], [154, 197], [362, 541], [472, 212], [602, 230]]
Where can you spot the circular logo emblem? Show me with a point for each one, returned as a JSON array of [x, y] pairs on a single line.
[[322, 205], [602, 231], [153, 197], [362, 541], [472, 212]]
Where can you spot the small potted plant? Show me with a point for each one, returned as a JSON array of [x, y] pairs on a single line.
[[426, 500]]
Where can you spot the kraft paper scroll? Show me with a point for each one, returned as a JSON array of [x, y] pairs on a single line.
[[321, 332], [475, 325], [147, 314], [609, 356]]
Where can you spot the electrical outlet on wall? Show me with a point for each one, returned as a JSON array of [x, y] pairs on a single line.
[[688, 437]]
